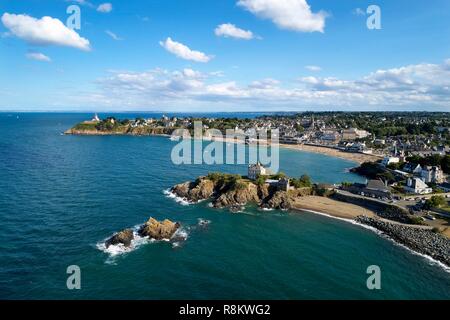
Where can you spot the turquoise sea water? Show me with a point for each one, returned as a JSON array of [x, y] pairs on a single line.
[[62, 195]]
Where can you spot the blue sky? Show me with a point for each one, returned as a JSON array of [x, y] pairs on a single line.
[[227, 55]]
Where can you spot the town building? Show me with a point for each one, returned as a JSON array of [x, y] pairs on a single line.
[[417, 186], [388, 160], [255, 170], [96, 118], [353, 134], [412, 168], [331, 136], [358, 147], [433, 174], [283, 184], [373, 189]]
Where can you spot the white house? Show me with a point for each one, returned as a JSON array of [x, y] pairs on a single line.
[[432, 174], [388, 160], [255, 170], [95, 118], [417, 186]]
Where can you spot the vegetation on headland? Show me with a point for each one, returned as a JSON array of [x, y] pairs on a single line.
[[373, 170], [112, 126], [231, 190]]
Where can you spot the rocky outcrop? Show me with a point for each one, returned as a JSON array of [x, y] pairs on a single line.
[[241, 195], [195, 191], [234, 192], [158, 230], [264, 192], [416, 238], [123, 237], [280, 200]]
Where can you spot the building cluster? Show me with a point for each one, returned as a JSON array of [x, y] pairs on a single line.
[[418, 178], [258, 170]]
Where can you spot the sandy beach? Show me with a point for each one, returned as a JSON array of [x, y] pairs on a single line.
[[356, 157], [331, 207]]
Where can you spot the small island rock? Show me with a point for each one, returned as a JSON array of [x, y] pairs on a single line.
[[123, 237], [159, 230]]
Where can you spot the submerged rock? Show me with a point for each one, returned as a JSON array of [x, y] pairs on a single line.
[[158, 230], [123, 237], [236, 208]]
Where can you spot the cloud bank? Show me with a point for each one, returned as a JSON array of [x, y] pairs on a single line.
[[415, 86]]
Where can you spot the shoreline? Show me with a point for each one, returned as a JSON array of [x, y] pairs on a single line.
[[355, 157], [334, 208], [378, 232], [358, 158]]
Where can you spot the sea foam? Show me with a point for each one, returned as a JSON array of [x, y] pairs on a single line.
[[178, 199], [429, 259]]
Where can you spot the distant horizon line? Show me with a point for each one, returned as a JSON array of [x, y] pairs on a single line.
[[215, 112]]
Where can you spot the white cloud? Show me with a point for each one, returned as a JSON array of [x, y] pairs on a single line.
[[183, 51], [113, 35], [295, 15], [44, 31], [267, 83], [82, 3], [38, 56], [421, 87], [313, 68], [359, 12], [230, 30], [105, 7]]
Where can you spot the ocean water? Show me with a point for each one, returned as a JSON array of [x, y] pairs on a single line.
[[61, 196]]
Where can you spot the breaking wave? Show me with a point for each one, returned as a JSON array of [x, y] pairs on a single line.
[[178, 199], [114, 251], [429, 259]]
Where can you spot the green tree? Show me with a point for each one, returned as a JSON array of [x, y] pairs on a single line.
[[436, 202]]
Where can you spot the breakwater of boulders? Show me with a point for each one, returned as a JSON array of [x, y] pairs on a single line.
[[421, 240]]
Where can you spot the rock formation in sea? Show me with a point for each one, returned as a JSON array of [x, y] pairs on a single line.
[[158, 230], [232, 191], [123, 237]]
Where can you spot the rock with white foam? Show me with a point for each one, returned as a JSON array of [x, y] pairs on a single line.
[[157, 230], [124, 237]]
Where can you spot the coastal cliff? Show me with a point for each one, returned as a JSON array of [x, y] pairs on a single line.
[[111, 126], [233, 191]]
